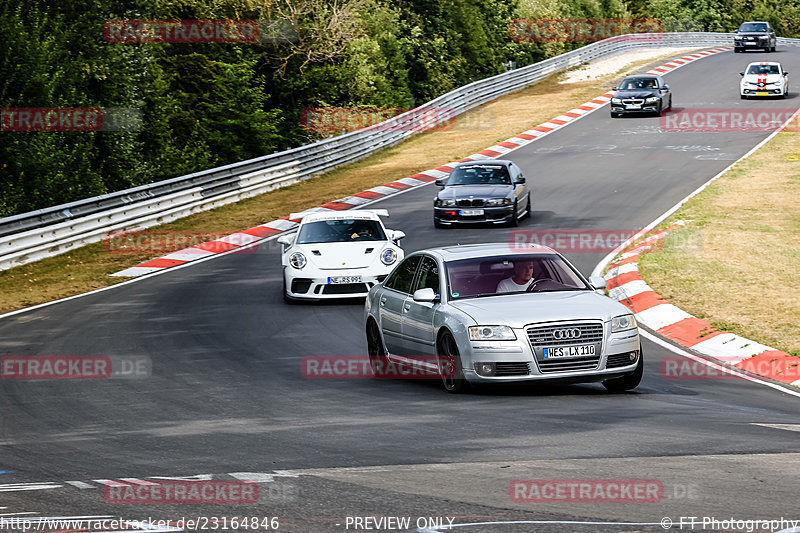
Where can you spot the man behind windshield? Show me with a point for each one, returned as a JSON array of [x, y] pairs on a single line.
[[520, 280]]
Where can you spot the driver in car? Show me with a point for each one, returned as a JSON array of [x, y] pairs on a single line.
[[520, 280]]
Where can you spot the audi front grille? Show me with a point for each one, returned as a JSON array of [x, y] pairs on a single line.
[[547, 336]]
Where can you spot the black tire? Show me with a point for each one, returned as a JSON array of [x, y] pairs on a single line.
[[437, 224], [670, 103], [614, 115], [450, 369], [286, 298], [629, 382], [660, 109], [378, 359], [786, 94], [743, 97], [529, 209], [736, 50], [514, 222], [772, 49]]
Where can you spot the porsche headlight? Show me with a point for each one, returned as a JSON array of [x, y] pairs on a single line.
[[297, 260], [494, 202], [491, 333], [388, 256], [444, 203], [652, 100], [622, 323], [616, 100]]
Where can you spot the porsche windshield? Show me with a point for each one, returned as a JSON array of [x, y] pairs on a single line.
[[490, 276], [479, 175], [345, 230]]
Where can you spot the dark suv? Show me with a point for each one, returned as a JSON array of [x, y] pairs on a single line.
[[752, 35]]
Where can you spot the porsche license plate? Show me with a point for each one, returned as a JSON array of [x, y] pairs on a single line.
[[336, 280], [582, 350], [471, 212]]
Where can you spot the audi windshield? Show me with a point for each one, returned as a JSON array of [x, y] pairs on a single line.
[[519, 273]]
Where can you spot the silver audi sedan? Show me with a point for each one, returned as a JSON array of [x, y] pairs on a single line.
[[489, 313]]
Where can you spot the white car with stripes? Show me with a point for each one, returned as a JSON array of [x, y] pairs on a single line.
[[338, 254], [764, 79]]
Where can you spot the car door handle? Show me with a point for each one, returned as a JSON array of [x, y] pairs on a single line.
[[407, 307], [383, 301]]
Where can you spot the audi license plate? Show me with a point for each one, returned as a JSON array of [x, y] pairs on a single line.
[[471, 212], [633, 106], [582, 350], [343, 279]]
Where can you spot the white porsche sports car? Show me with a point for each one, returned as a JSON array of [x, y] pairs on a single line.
[[338, 254], [764, 79]]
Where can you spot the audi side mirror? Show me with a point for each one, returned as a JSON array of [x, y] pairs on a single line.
[[598, 283], [441, 182], [520, 181], [741, 74], [425, 296], [615, 88]]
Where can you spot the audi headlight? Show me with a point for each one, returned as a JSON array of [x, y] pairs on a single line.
[[297, 260], [494, 202], [388, 256], [652, 100], [491, 333], [616, 100], [622, 323], [444, 203]]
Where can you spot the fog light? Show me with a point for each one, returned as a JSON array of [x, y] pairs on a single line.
[[484, 369], [633, 356]]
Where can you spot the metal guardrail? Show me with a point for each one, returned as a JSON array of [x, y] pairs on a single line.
[[31, 236]]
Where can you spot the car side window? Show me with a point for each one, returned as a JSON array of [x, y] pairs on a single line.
[[428, 277], [402, 277]]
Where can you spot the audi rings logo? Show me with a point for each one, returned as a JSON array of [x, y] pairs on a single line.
[[566, 333]]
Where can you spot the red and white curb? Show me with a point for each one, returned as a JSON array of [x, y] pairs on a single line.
[[252, 235], [626, 285]]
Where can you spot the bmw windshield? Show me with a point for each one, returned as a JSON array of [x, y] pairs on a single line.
[[479, 175], [348, 230], [515, 273]]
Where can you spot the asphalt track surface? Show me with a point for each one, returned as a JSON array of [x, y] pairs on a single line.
[[226, 394]]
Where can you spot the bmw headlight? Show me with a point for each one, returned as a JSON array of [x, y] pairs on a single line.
[[616, 100], [622, 323], [388, 256], [737, 38], [491, 333], [297, 260], [494, 202], [652, 100], [444, 203]]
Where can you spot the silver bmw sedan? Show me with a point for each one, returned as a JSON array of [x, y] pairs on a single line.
[[489, 313]]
